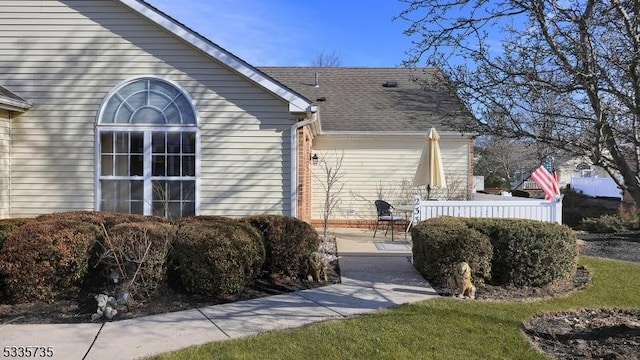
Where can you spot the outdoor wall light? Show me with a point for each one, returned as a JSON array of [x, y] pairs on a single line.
[[314, 159]]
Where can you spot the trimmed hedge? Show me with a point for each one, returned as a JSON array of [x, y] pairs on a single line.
[[216, 256], [288, 242], [8, 225], [141, 249], [44, 260], [524, 252], [99, 218], [527, 252], [440, 243]]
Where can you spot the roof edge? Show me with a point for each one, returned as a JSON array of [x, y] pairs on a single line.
[[425, 133], [13, 104], [296, 102]]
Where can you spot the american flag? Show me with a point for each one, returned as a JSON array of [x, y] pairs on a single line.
[[545, 176]]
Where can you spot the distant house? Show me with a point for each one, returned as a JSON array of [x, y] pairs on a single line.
[[113, 105], [582, 176]]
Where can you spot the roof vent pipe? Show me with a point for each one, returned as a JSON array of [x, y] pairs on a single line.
[[391, 83], [316, 80]]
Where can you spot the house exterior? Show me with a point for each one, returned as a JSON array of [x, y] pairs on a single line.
[[375, 121], [113, 105]]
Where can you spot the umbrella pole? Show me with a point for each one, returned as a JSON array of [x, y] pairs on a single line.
[[428, 191]]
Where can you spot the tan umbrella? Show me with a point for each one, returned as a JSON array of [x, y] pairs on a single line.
[[430, 170]]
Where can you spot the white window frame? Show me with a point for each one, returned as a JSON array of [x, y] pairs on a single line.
[[147, 129]]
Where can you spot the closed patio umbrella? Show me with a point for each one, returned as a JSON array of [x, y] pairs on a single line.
[[430, 170]]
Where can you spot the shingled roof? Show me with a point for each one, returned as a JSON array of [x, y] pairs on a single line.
[[11, 101], [377, 99]]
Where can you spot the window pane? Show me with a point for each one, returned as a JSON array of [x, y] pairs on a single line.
[[157, 142], [188, 166], [137, 207], [123, 116], [137, 142], [133, 87], [174, 211], [188, 117], [122, 206], [188, 143], [109, 206], [173, 143], [189, 190], [159, 209], [137, 190], [107, 190], [136, 165], [174, 190], [121, 165], [188, 209], [173, 165], [138, 100], [122, 142], [163, 87], [148, 115], [158, 100], [173, 114], [106, 142], [159, 190], [109, 112], [157, 166], [106, 165]]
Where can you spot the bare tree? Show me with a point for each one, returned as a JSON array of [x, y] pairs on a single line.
[[329, 178], [500, 160], [562, 73], [327, 59]]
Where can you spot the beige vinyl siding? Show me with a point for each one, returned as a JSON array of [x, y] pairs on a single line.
[[383, 167], [5, 168], [65, 56]]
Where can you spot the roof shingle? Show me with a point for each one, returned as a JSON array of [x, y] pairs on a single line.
[[354, 99]]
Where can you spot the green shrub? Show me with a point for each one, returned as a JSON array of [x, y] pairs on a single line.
[[527, 252], [46, 260], [213, 256], [138, 252], [287, 241], [605, 224], [440, 243]]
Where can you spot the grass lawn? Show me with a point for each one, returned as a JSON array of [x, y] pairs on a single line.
[[442, 328]]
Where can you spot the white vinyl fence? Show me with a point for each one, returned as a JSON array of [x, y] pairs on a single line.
[[542, 210], [595, 187]]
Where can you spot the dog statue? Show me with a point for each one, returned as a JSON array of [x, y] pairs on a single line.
[[317, 268], [460, 280]]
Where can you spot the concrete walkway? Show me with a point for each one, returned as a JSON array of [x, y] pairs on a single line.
[[374, 276]]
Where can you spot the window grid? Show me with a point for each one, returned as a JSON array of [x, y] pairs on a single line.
[[146, 151]]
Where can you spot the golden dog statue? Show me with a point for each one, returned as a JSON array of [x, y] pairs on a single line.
[[460, 280], [317, 268]]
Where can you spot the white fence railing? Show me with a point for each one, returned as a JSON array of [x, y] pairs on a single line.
[[542, 210], [593, 186]]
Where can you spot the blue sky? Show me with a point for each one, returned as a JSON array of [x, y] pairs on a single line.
[[294, 32]]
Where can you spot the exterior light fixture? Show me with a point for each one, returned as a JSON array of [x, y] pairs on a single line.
[[314, 159]]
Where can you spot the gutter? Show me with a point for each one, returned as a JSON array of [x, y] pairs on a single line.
[[13, 105], [313, 114]]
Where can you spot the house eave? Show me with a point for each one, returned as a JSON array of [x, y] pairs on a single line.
[[13, 105], [296, 102], [347, 134]]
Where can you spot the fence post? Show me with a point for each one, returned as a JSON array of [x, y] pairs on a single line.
[[416, 210], [558, 210]]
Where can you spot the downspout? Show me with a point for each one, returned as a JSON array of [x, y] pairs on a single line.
[[294, 160], [10, 214]]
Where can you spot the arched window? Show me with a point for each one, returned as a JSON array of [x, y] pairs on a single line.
[[147, 150]]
